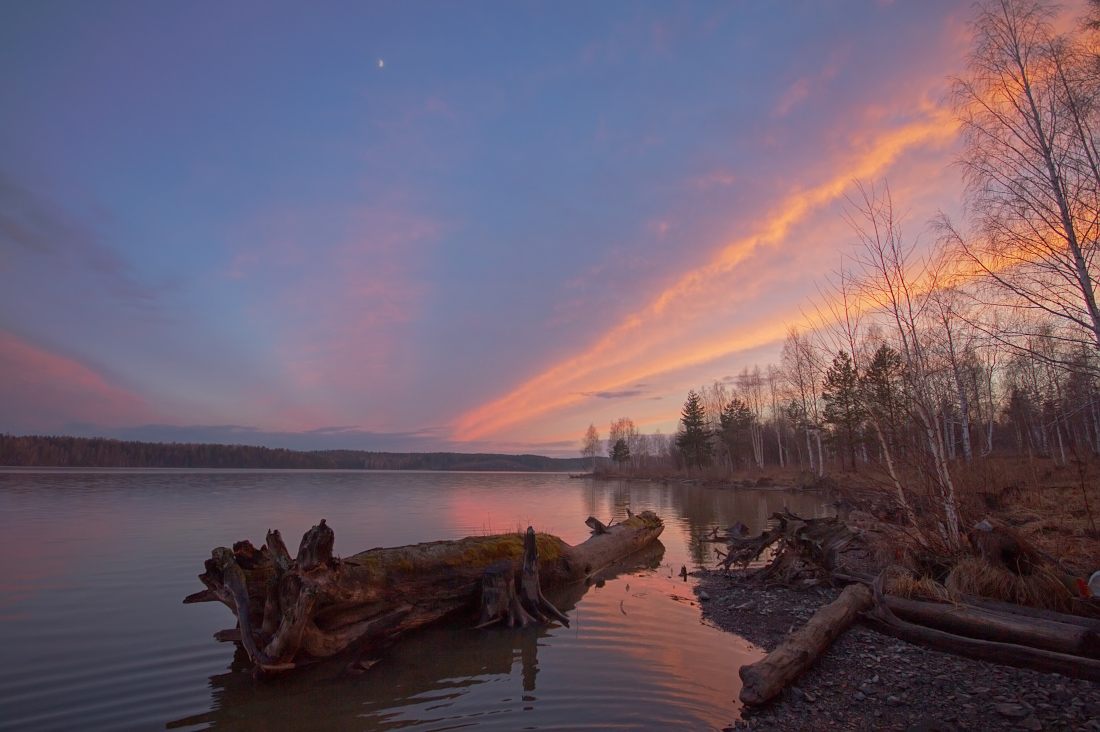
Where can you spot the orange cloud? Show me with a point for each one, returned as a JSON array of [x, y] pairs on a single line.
[[659, 337]]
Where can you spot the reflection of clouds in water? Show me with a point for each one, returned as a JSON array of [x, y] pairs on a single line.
[[636, 647]]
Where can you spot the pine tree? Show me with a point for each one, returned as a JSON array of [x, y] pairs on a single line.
[[882, 390], [736, 421], [842, 404], [620, 452], [694, 437]]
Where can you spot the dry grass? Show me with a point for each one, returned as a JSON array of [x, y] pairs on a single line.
[[1050, 514], [1042, 589], [1042, 503], [903, 583], [1035, 501]]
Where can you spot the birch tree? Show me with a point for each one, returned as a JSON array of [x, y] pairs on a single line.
[[1028, 109]]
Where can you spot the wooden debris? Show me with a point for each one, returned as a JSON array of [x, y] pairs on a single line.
[[990, 625], [531, 588], [1010, 654], [767, 677], [295, 611], [596, 525], [803, 548], [1030, 612], [499, 601]]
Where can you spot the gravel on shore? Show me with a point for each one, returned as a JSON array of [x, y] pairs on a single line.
[[869, 681]]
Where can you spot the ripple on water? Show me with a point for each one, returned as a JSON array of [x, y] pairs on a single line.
[[95, 636]]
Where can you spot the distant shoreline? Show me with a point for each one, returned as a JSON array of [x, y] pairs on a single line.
[[37, 451]]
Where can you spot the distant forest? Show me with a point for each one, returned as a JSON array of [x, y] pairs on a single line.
[[95, 452]]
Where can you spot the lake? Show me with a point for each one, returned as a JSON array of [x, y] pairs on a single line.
[[97, 562]]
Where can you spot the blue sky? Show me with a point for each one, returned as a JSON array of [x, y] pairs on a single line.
[[461, 226]]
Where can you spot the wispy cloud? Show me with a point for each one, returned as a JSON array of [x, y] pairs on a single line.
[[42, 390], [337, 303], [651, 341], [612, 394], [33, 226]]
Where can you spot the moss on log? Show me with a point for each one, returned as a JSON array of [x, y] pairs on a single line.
[[295, 611]]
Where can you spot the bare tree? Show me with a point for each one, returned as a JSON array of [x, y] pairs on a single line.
[[774, 379], [802, 370], [896, 282], [622, 429], [750, 387], [956, 341], [1028, 109], [590, 445]]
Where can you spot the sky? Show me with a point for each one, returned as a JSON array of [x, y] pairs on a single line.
[[413, 226]]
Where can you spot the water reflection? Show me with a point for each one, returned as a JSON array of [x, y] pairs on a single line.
[[700, 509], [95, 636]]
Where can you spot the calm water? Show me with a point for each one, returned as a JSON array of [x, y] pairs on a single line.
[[95, 637]]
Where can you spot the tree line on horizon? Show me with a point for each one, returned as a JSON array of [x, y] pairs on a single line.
[[98, 452], [915, 360]]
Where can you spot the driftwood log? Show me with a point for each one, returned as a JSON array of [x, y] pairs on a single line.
[[1010, 654], [292, 612], [983, 624], [804, 549], [767, 677]]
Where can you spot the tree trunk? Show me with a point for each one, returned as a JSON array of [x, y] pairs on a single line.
[[820, 455], [909, 515], [767, 677], [1000, 627], [809, 449], [1008, 654], [293, 612]]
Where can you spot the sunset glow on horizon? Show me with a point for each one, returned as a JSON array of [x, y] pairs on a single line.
[[461, 227]]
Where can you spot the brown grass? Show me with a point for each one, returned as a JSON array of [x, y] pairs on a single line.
[[1042, 589], [903, 583]]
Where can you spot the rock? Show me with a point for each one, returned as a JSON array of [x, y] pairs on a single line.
[[703, 596], [928, 724], [1012, 711], [1033, 724]]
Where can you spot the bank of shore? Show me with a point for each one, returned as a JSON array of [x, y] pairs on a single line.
[[868, 681]]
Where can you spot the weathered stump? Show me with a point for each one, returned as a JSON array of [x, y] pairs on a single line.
[[296, 611], [499, 601], [531, 589]]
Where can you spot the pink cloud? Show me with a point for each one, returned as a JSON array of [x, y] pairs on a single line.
[[794, 94], [42, 391], [336, 307]]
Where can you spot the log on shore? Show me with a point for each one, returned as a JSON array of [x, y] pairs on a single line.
[[1020, 613], [1008, 654], [292, 612], [1030, 612], [767, 677], [984, 624]]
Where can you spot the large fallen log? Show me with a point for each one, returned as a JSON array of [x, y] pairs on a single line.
[[767, 677], [997, 607], [1031, 612], [1001, 627], [1010, 654], [292, 612]]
